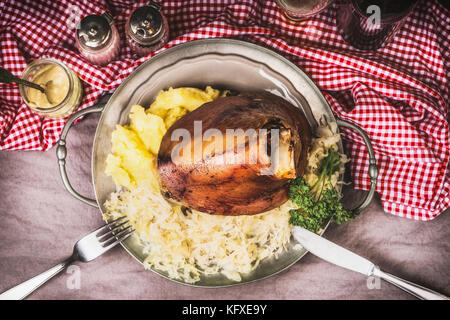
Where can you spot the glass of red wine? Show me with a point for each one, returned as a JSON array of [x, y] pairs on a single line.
[[371, 24]]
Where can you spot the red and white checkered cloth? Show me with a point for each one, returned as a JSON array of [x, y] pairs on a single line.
[[398, 94]]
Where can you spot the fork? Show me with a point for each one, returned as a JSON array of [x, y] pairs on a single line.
[[86, 249]]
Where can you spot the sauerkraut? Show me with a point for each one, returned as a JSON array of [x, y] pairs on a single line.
[[187, 244]]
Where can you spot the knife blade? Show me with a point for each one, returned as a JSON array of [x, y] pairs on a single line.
[[332, 252], [342, 257]]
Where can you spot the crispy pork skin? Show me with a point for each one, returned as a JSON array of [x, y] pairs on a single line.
[[231, 179]]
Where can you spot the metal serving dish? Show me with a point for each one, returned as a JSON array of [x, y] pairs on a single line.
[[220, 63]]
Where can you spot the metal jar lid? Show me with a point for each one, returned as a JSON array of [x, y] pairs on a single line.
[[94, 32], [146, 24]]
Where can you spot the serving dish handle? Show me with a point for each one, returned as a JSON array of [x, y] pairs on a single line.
[[373, 168], [61, 152]]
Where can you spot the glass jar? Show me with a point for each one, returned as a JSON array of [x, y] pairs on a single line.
[[63, 88], [371, 24], [97, 39], [299, 10], [147, 29]]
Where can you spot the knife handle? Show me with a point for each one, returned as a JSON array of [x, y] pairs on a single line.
[[412, 288]]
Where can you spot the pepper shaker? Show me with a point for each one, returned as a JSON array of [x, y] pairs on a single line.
[[98, 39], [147, 29]]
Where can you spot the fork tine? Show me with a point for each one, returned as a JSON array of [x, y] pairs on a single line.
[[116, 236], [107, 226], [111, 233], [121, 236]]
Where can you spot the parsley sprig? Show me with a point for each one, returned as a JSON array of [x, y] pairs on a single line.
[[320, 202]]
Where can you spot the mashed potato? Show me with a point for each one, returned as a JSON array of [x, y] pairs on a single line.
[[187, 244], [172, 104]]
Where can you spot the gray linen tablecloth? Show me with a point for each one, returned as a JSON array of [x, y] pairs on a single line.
[[40, 222]]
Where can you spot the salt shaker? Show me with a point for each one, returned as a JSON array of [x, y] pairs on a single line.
[[147, 29], [98, 39]]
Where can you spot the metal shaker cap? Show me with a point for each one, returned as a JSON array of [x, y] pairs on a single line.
[[94, 32], [146, 24]]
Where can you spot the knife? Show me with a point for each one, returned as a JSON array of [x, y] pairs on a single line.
[[342, 257]]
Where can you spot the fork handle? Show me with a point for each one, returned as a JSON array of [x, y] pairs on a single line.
[[24, 289]]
